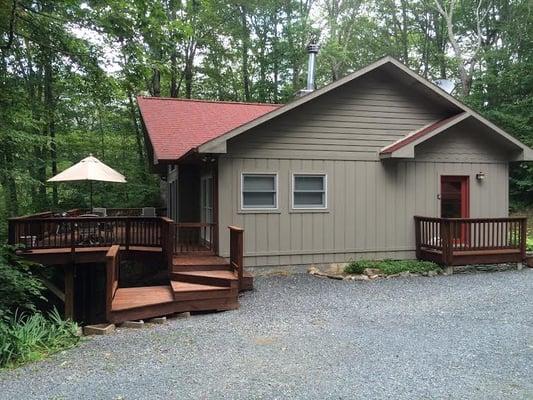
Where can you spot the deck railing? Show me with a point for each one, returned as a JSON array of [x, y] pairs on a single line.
[[73, 232], [194, 237], [449, 237], [112, 276], [110, 212], [236, 256]]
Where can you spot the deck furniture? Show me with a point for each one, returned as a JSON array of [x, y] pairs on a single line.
[[100, 211], [148, 212]]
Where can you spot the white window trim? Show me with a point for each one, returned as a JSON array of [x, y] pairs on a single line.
[[276, 188], [321, 174]]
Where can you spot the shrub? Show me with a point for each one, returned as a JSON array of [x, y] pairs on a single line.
[[19, 287], [529, 243], [357, 267], [25, 338], [391, 267]]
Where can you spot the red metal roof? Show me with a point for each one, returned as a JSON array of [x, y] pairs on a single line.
[[176, 126], [417, 134]]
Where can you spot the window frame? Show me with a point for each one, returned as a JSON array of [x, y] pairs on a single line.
[[325, 191], [276, 191]]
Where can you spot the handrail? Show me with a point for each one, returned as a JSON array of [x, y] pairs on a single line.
[[75, 212], [237, 252], [193, 237], [74, 232], [112, 276]]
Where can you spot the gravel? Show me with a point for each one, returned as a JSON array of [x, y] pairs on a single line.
[[302, 337]]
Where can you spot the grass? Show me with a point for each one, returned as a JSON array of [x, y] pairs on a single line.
[[26, 338], [391, 267]]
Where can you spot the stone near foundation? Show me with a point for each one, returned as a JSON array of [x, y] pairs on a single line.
[[99, 329], [133, 324]]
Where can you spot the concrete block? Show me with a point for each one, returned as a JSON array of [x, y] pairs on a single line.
[[99, 329], [183, 315], [158, 320], [133, 324]]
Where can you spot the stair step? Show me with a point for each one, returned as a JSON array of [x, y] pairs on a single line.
[[135, 297], [247, 281], [195, 291], [217, 278], [198, 260], [185, 268]]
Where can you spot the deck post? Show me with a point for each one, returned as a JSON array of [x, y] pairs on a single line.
[[445, 235], [167, 241], [451, 230], [523, 238], [128, 231], [418, 251], [237, 251], [69, 291], [72, 239], [11, 232]]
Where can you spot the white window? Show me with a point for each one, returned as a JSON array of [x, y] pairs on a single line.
[[259, 191], [309, 191]]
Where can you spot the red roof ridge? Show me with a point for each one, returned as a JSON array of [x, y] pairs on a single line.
[[210, 101]]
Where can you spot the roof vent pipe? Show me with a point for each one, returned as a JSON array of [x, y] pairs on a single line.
[[312, 50]]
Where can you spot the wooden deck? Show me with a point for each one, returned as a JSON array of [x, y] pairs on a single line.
[[463, 241], [197, 279], [213, 286]]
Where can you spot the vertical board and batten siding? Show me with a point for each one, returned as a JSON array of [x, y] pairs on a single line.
[[370, 208], [371, 203]]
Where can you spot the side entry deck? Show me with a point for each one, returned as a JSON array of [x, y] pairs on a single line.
[[463, 241]]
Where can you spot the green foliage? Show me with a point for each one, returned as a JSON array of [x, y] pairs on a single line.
[[25, 338], [70, 71], [19, 288], [356, 267], [391, 267], [529, 243]]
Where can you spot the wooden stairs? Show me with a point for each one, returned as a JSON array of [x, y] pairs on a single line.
[[196, 283]]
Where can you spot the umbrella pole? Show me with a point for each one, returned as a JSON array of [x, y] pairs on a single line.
[[91, 184]]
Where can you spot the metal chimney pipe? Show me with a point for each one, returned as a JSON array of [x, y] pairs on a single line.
[[312, 50]]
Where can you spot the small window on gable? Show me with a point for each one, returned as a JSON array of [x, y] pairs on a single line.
[[259, 191], [309, 191]]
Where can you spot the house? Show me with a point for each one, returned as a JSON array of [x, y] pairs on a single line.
[[339, 173], [380, 164]]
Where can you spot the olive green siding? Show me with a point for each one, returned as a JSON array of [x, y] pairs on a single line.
[[349, 123], [371, 202], [370, 208]]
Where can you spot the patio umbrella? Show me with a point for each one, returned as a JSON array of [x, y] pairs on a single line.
[[89, 169]]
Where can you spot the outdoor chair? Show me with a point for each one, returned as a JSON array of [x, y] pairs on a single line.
[[102, 212], [148, 212]]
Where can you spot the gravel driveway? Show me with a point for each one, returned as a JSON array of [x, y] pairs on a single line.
[[302, 337]]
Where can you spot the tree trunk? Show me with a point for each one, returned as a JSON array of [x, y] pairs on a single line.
[[49, 104], [188, 74], [156, 82], [138, 134], [173, 74], [245, 48]]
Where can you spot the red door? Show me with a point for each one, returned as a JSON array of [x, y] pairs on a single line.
[[455, 201]]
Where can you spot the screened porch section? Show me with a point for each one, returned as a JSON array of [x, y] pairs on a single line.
[[191, 202]]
